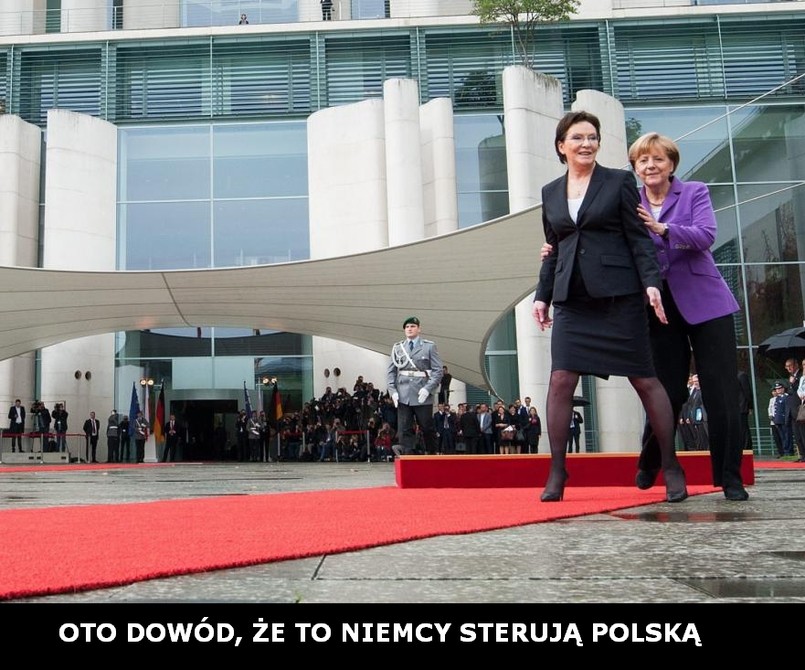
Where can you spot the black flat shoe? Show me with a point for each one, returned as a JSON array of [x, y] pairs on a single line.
[[555, 490], [736, 493], [645, 479]]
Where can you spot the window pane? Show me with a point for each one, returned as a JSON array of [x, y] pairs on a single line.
[[260, 160], [357, 68], [701, 133], [769, 222], [266, 77], [165, 82], [59, 80], [254, 232], [481, 173], [775, 298], [164, 163], [165, 236], [668, 62], [769, 143]]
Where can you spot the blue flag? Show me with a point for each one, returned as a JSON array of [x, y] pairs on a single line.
[[134, 409], [248, 402]]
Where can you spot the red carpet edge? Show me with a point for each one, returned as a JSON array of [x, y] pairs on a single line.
[[79, 548]]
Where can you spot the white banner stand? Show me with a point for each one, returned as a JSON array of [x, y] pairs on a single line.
[[151, 450]]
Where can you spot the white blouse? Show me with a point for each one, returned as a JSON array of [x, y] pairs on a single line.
[[573, 206]]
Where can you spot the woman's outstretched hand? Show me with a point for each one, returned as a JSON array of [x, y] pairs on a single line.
[[539, 310], [655, 300]]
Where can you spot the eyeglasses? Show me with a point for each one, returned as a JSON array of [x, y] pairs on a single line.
[[580, 139]]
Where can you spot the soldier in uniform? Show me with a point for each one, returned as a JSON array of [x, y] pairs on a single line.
[[414, 375]]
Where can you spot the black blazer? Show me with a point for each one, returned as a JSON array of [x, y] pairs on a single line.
[[88, 426], [609, 242]]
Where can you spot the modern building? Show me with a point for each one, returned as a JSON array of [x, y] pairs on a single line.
[[144, 135]]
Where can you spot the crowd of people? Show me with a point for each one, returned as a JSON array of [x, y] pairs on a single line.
[[362, 425], [785, 419]]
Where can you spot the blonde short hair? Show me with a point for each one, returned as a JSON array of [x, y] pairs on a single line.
[[650, 141]]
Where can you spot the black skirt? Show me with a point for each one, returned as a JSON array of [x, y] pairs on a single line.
[[602, 337]]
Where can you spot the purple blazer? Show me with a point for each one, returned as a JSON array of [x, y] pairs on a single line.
[[686, 262]]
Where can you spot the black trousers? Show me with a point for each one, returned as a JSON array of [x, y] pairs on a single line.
[[92, 447], [125, 449], [169, 454], [471, 444], [405, 426], [712, 345], [112, 444], [16, 438]]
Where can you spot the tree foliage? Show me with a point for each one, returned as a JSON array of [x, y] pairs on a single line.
[[523, 16]]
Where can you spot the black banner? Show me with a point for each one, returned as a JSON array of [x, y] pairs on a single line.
[[358, 631]]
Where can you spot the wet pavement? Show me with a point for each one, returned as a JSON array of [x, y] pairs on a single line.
[[704, 550]]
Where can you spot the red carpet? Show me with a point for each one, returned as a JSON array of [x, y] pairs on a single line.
[[778, 465], [67, 549]]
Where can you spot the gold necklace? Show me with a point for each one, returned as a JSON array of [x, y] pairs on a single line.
[[579, 188]]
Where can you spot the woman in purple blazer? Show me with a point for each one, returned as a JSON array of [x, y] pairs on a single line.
[[699, 306]]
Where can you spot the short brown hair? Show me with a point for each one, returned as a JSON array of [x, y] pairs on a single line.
[[571, 119], [650, 141]]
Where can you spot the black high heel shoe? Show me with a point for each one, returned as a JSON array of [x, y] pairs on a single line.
[[555, 490], [675, 486]]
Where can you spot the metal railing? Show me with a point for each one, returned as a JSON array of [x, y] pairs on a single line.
[[99, 17]]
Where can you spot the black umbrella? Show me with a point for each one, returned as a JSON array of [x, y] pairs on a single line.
[[785, 342], [578, 401]]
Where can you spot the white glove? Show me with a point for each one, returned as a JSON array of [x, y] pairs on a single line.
[[423, 395], [395, 397]]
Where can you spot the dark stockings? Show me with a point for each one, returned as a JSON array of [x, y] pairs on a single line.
[[559, 409], [660, 415], [655, 402]]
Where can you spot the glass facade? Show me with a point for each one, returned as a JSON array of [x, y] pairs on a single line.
[[213, 156]]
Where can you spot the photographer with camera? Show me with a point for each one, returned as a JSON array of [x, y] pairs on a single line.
[[41, 422], [59, 416]]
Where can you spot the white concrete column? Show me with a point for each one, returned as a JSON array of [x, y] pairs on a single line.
[[81, 16], [80, 234], [22, 17], [347, 179], [620, 414], [532, 104], [20, 152], [440, 193], [347, 205], [406, 213], [139, 14], [613, 151]]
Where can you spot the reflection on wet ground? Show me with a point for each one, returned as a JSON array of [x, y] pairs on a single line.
[[690, 517]]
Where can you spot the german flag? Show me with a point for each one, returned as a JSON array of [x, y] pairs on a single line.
[[276, 401], [159, 421]]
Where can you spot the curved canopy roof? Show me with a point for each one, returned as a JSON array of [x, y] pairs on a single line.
[[459, 285]]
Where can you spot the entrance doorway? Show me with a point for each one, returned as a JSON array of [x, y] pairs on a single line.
[[208, 428]]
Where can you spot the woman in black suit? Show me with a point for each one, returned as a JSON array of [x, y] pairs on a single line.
[[601, 269]]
